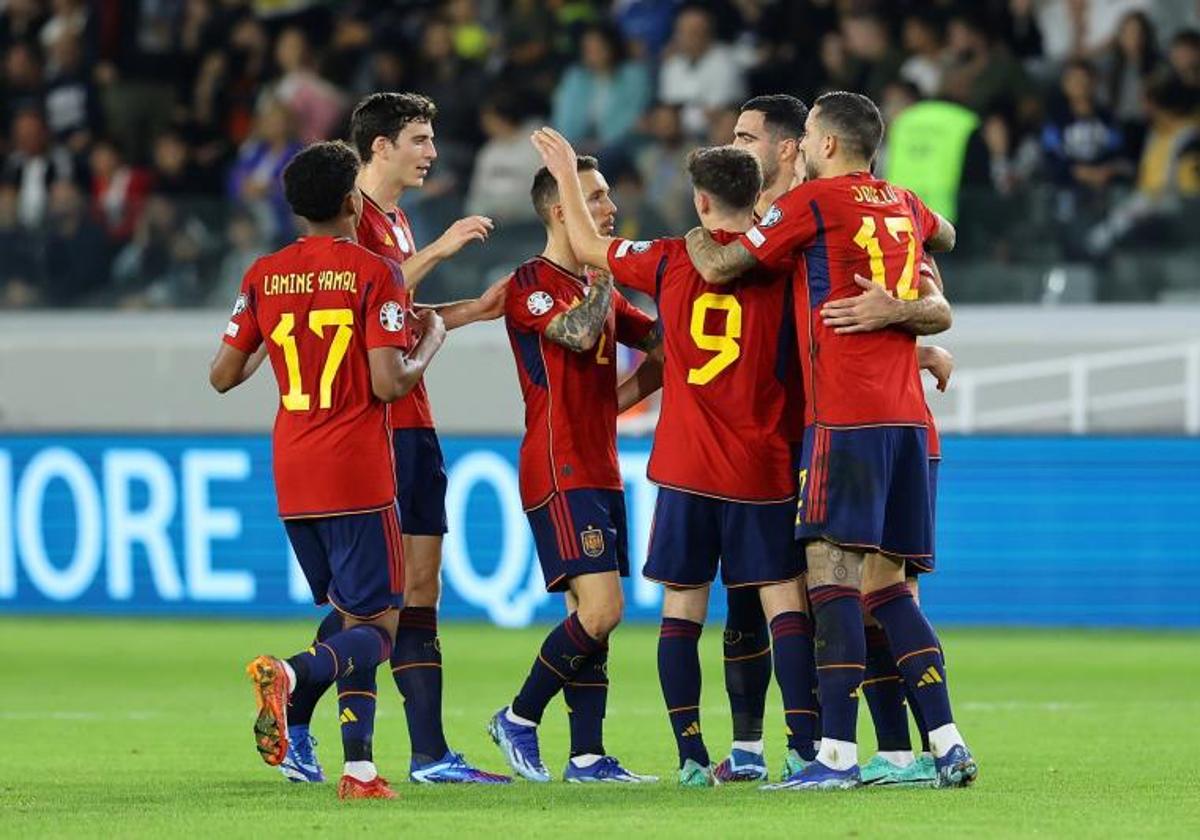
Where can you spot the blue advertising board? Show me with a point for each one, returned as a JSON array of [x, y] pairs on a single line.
[[1034, 531]]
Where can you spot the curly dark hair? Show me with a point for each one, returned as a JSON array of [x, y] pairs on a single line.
[[730, 175], [319, 178]]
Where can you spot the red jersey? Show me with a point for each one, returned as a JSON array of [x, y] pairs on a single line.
[[570, 398], [723, 428], [839, 227], [322, 303], [388, 233]]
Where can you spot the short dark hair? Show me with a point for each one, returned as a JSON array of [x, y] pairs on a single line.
[[783, 114], [385, 115], [544, 192], [1186, 38], [318, 179], [854, 118], [730, 175]]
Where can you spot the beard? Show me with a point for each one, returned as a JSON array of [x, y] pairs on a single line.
[[811, 172], [770, 171]]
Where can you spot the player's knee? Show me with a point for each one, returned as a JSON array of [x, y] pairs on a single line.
[[881, 571], [600, 619], [778, 598], [422, 587], [831, 565]]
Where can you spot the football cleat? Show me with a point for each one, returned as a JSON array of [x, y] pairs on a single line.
[[452, 768], [956, 768], [271, 695], [816, 776], [519, 744], [741, 766], [606, 769], [351, 788], [695, 774], [793, 763], [883, 773], [300, 764]]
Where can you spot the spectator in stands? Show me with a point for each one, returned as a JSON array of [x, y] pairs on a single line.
[[662, 163], [21, 22], [471, 38], [983, 75], [1081, 139], [243, 245], [836, 68], [926, 62], [317, 107], [119, 191], [1184, 57], [601, 97], [33, 166], [1022, 32], [77, 252], [456, 85], [255, 177], [1168, 175], [72, 102], [637, 218], [19, 256], [1125, 67], [22, 84], [505, 165], [699, 74], [174, 172], [161, 264], [69, 19], [646, 25], [874, 60]]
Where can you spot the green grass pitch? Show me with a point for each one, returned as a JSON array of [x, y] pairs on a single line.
[[143, 728]]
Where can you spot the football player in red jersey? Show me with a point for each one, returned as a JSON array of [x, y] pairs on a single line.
[[864, 502], [333, 318], [563, 325], [393, 134], [722, 458]]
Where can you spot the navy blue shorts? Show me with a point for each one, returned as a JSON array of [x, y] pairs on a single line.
[[924, 565], [692, 534], [354, 561], [580, 532], [867, 489], [420, 481]]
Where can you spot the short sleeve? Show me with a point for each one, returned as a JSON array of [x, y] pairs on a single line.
[[637, 264], [926, 219], [533, 301], [633, 325], [788, 225], [388, 316], [242, 332]]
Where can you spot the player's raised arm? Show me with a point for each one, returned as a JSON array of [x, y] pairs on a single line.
[[718, 264], [589, 246], [395, 372], [580, 326], [456, 237]]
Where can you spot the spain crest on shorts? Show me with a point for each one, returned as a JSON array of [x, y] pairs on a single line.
[[592, 542]]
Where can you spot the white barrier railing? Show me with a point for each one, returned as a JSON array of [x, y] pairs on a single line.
[[1077, 403]]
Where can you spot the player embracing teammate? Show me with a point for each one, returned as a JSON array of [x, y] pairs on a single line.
[[865, 506]]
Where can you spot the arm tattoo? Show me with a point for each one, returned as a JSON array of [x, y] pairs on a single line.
[[927, 315], [717, 263], [580, 326]]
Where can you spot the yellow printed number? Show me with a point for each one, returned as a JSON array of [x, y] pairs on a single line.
[[318, 319], [867, 239], [601, 359], [725, 345]]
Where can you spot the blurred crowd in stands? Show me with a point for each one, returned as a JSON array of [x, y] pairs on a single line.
[[142, 140]]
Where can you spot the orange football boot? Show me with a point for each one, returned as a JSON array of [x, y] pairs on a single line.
[[271, 693], [351, 788]]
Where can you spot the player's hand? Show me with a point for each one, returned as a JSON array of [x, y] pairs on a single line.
[[596, 275], [937, 360], [465, 230], [491, 302], [873, 309], [556, 151], [431, 325]]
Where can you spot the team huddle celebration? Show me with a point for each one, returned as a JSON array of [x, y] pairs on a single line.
[[794, 455]]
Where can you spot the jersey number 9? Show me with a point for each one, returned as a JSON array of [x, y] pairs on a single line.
[[724, 344]]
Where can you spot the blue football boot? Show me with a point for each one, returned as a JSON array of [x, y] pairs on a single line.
[[519, 744], [300, 764], [741, 766], [453, 769], [956, 768], [816, 776], [605, 769]]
